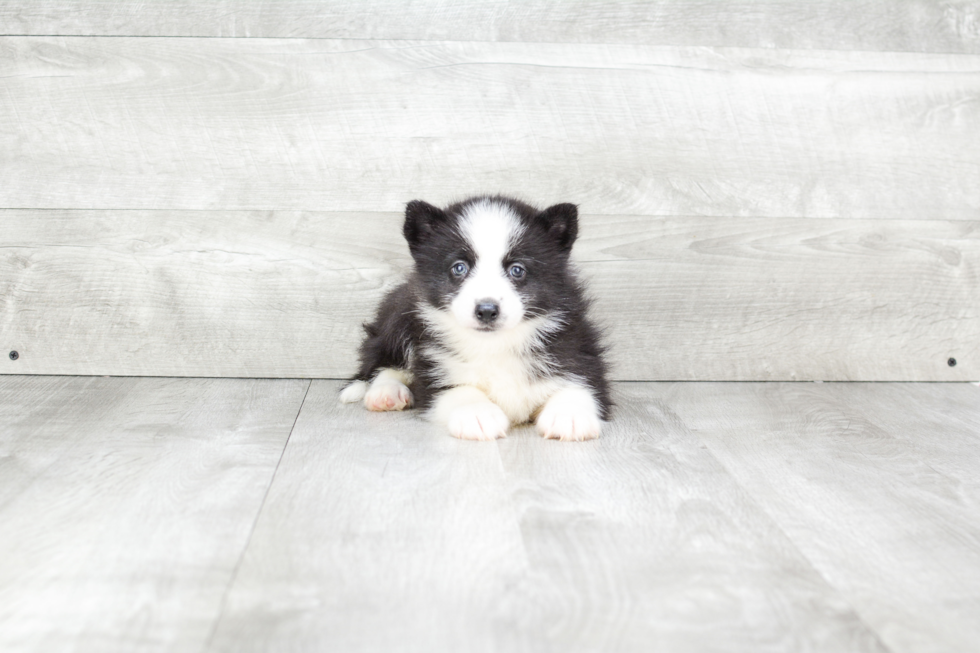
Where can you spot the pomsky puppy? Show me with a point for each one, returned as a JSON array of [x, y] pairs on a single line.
[[491, 328]]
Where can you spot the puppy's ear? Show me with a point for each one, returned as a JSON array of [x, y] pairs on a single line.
[[421, 219], [561, 223]]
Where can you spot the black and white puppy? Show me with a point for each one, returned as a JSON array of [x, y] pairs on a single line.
[[491, 328]]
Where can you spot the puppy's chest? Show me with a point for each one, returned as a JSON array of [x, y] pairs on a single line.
[[508, 379]]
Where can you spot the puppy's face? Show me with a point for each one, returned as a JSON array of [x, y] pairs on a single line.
[[488, 275], [488, 262]]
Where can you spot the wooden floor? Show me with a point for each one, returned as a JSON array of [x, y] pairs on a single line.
[[769, 191], [156, 514]]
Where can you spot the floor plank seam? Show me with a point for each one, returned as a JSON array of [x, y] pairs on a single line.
[[251, 531]]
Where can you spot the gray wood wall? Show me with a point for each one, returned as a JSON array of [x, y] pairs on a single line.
[[768, 190]]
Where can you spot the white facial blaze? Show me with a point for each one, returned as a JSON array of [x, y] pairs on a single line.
[[490, 229]]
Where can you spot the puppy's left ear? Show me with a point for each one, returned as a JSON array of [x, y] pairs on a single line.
[[421, 219], [561, 223]]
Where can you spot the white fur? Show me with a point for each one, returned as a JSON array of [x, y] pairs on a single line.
[[389, 391], [354, 392], [570, 414], [469, 414], [505, 365], [490, 229]]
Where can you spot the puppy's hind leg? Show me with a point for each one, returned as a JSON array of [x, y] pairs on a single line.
[[383, 376], [388, 391], [354, 392]]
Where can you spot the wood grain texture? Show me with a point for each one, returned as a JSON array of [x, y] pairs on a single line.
[[939, 426], [874, 484], [381, 533], [700, 299], [903, 25], [283, 294], [127, 503], [709, 517], [397, 538], [281, 124]]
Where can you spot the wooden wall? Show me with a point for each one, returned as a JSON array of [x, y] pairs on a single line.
[[769, 190]]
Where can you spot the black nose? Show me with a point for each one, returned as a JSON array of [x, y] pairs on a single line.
[[487, 311]]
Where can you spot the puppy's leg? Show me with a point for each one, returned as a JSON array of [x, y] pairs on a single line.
[[389, 391], [572, 413], [385, 353], [469, 414], [354, 392]]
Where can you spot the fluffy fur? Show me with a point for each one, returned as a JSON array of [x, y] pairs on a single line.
[[491, 327]]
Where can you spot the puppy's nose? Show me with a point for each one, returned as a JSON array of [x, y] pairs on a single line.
[[487, 311]]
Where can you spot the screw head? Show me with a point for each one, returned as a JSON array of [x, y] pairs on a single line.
[[951, 362], [14, 355]]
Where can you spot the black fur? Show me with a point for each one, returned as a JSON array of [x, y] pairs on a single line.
[[396, 336]]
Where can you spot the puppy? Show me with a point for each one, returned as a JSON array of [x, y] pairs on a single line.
[[491, 328]]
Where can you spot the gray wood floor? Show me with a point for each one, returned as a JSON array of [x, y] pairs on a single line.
[[153, 514]]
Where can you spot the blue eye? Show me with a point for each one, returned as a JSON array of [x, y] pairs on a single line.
[[459, 269], [517, 271]]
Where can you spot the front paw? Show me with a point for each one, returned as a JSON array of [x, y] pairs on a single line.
[[387, 395], [478, 421], [569, 421]]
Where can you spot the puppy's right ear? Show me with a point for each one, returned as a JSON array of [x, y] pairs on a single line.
[[421, 219]]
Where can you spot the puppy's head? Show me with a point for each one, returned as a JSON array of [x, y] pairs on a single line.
[[491, 262]]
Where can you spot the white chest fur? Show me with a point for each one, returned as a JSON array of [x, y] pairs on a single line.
[[503, 364]]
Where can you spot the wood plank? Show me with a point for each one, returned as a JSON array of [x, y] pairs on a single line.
[[864, 494], [380, 533], [189, 293], [939, 423], [283, 294], [127, 503], [841, 300], [890, 25], [281, 124]]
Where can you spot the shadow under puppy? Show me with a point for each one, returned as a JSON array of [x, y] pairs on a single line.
[[491, 327]]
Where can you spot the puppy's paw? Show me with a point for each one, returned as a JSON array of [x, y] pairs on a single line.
[[482, 420], [354, 392], [568, 424], [569, 416], [387, 394]]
